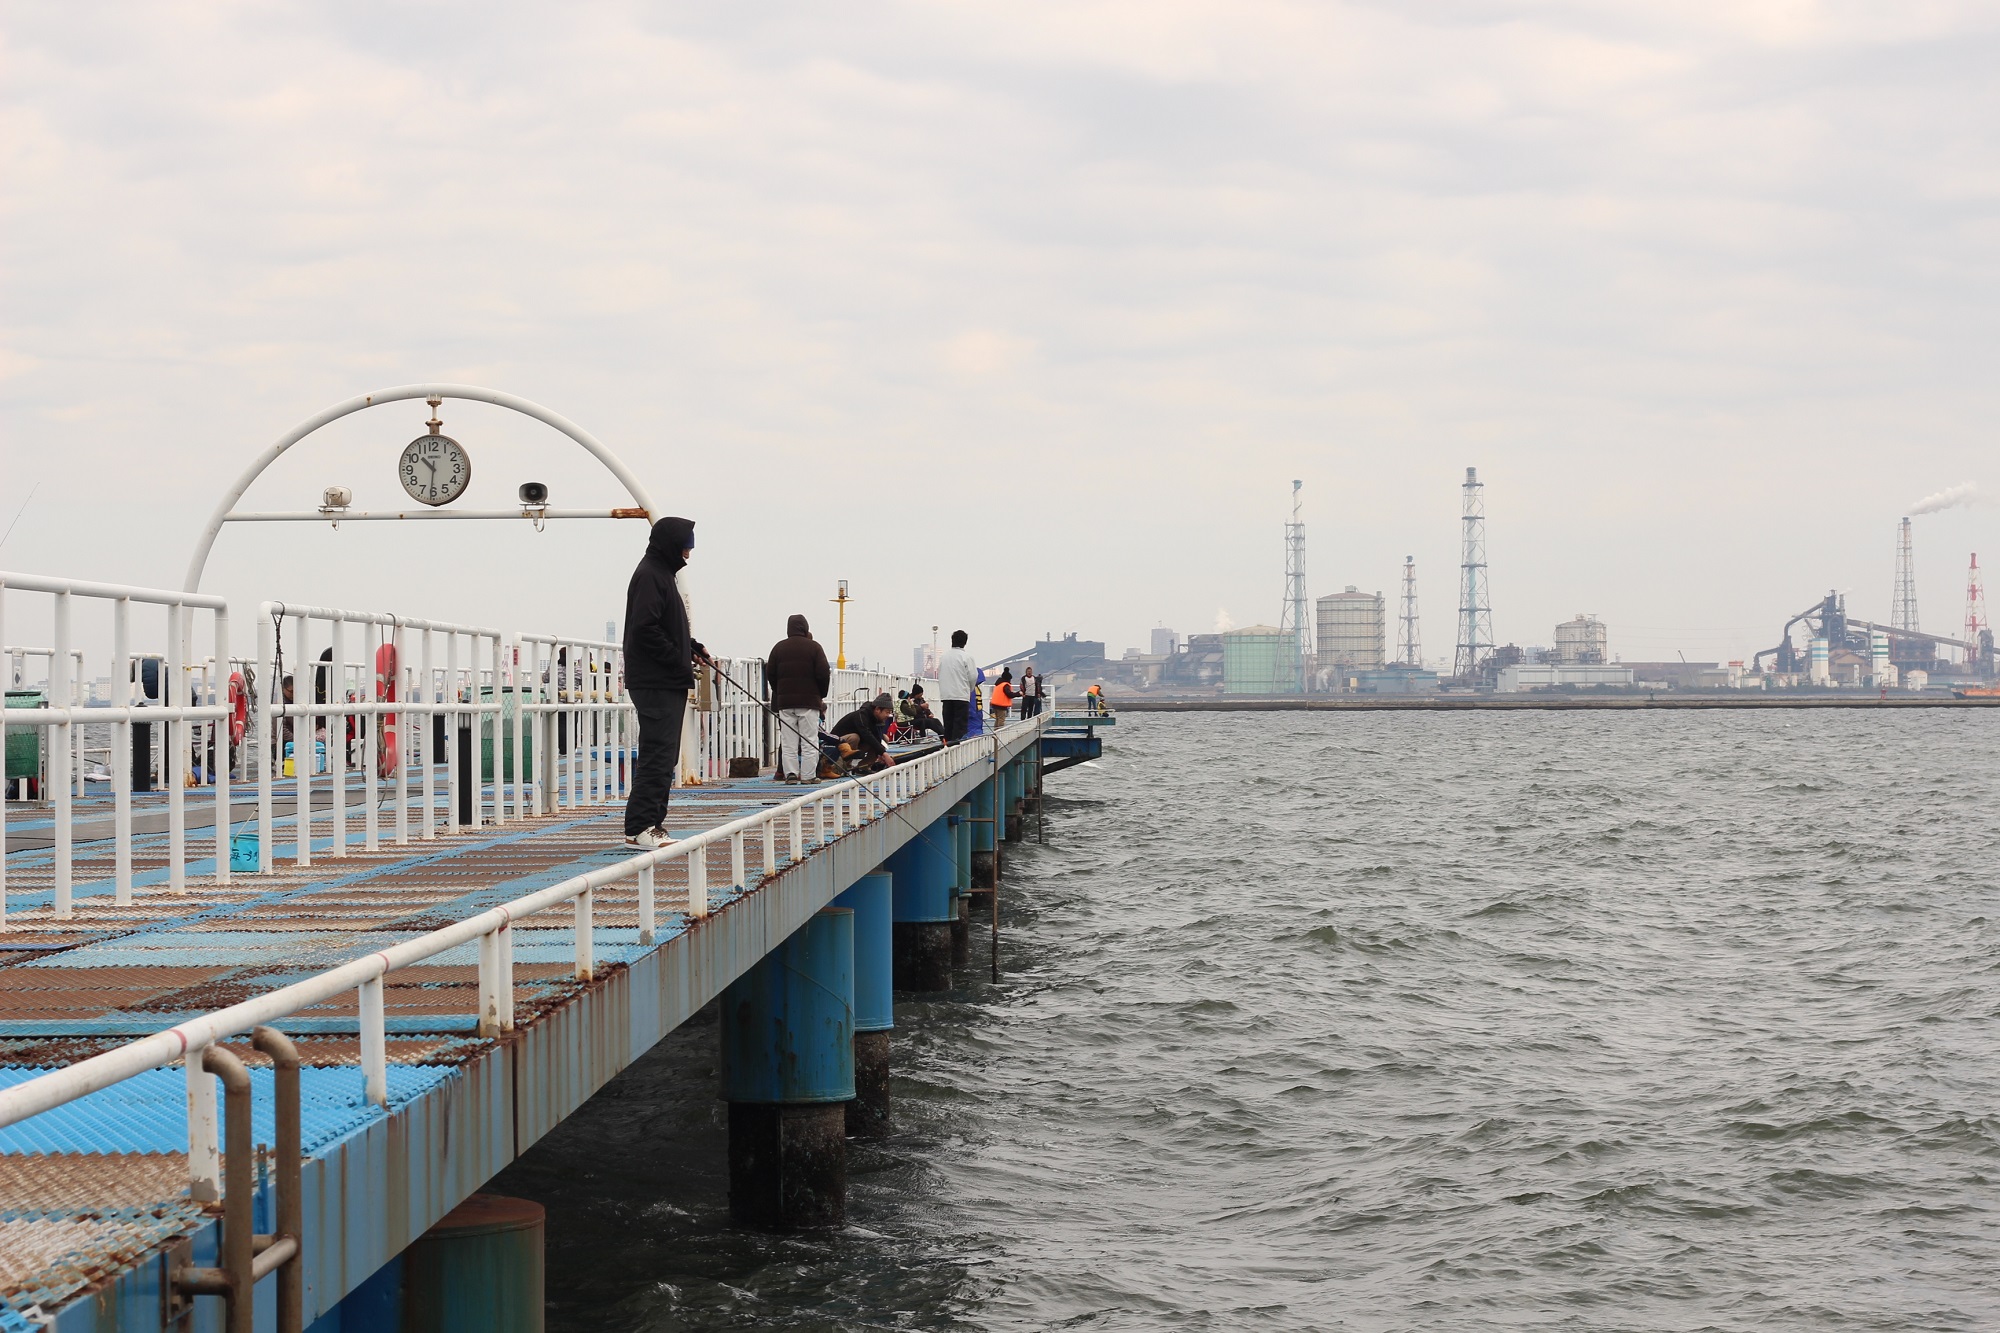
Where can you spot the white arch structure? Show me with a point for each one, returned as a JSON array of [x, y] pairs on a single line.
[[464, 392]]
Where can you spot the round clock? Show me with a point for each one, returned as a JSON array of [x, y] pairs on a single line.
[[434, 469]]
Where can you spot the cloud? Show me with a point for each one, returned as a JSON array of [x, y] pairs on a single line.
[[1709, 254]]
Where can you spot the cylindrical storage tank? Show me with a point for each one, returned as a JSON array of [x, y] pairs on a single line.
[[1916, 679], [1878, 649], [1817, 671], [872, 900], [479, 1270], [960, 820]]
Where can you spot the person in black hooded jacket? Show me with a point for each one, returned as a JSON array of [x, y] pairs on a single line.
[[659, 671]]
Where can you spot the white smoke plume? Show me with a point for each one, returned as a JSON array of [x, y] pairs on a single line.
[[1224, 622], [1951, 497]]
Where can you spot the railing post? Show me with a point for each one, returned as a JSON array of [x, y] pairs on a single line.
[[59, 756], [586, 960], [336, 734], [427, 729], [222, 731], [768, 835], [648, 925], [795, 842], [374, 1043], [697, 876], [449, 696], [499, 715], [121, 753], [269, 728], [407, 728], [504, 948], [736, 861], [371, 745], [204, 1151], [305, 691], [489, 985]]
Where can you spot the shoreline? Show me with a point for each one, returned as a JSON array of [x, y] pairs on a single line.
[[1492, 703]]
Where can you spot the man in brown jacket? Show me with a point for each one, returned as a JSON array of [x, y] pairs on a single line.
[[798, 676]]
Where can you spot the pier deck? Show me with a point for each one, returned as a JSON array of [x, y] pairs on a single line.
[[94, 1194]]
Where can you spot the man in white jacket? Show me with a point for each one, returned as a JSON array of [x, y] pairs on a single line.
[[958, 674]]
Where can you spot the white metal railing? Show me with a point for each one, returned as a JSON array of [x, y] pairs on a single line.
[[573, 693], [804, 823], [345, 701], [63, 717]]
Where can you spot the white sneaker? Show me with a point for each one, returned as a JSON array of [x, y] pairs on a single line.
[[651, 839]]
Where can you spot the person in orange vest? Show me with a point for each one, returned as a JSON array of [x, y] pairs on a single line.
[[1001, 701], [1094, 699]]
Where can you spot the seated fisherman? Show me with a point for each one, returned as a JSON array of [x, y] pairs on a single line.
[[862, 745], [914, 715]]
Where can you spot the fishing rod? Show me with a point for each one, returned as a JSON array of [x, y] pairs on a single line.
[[753, 697]]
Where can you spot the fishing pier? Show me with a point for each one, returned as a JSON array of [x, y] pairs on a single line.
[[285, 981]]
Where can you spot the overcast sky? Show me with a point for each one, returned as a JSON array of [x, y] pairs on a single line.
[[1020, 317]]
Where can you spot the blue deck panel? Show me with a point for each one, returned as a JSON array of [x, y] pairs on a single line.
[[462, 1107]]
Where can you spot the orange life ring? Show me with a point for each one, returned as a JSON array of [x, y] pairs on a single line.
[[239, 708], [386, 755]]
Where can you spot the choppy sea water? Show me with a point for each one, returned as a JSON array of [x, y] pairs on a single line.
[[1399, 1021]]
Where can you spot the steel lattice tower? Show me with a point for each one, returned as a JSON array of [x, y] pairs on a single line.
[[1903, 611], [1976, 623], [1475, 615], [1294, 616], [1409, 644]]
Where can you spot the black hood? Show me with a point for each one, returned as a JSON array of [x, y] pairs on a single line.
[[795, 628], [670, 541]]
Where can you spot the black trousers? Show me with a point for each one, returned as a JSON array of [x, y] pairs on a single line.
[[660, 713], [956, 719]]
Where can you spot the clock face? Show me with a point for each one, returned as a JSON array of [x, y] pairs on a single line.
[[434, 469]]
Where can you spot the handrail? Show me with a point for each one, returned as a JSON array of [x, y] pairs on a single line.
[[836, 808]]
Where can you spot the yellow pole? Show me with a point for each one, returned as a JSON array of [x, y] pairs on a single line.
[[841, 601]]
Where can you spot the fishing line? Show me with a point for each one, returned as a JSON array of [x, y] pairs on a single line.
[[753, 698]]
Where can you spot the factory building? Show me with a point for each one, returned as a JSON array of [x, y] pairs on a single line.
[[1352, 637], [1165, 643], [1260, 659], [1553, 675], [1582, 642]]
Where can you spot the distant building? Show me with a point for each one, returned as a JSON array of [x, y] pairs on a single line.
[[1552, 675], [1197, 666], [1260, 659], [924, 661], [1581, 642], [1069, 653], [1669, 675], [1165, 643], [1351, 628], [1396, 680]]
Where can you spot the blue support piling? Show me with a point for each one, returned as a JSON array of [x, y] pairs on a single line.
[[959, 820], [985, 810], [872, 900], [924, 870], [1014, 793], [787, 1072], [479, 1270]]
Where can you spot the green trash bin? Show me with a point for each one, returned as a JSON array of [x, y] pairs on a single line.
[[24, 744], [510, 711]]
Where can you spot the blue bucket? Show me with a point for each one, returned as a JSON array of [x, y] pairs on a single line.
[[243, 851]]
